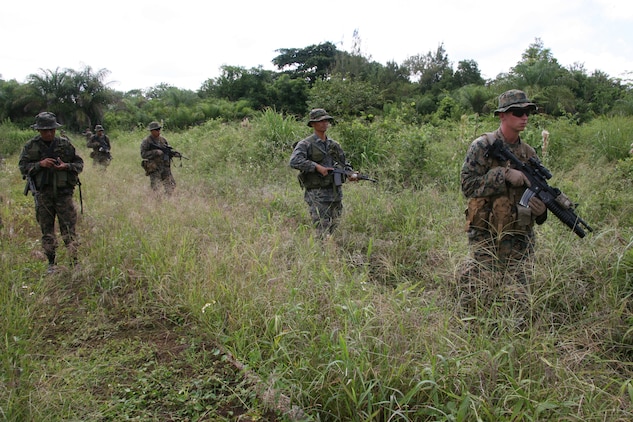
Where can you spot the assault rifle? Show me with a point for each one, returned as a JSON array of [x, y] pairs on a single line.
[[555, 200], [30, 186], [338, 176], [168, 151], [105, 149]]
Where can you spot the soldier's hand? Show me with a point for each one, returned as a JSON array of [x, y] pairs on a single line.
[[537, 206], [60, 165], [516, 178], [353, 177], [323, 171], [48, 162]]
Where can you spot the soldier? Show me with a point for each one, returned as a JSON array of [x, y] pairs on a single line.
[[315, 157], [87, 134], [51, 167], [100, 144], [156, 162], [500, 231]]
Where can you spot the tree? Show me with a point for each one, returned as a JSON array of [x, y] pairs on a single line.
[[345, 97], [50, 91], [467, 73], [432, 71], [90, 95], [78, 98], [313, 63]]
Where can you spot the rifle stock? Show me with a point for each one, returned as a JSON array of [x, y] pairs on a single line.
[[555, 200]]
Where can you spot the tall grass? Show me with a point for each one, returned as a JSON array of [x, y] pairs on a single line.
[[365, 326]]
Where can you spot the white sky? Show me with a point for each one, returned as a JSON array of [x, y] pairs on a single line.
[[184, 42]]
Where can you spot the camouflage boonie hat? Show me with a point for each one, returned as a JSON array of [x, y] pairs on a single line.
[[45, 120], [318, 114], [154, 126], [514, 98], [98, 128]]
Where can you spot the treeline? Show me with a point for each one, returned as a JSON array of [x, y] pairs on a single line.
[[423, 89]]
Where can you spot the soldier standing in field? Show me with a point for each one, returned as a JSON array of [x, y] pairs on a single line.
[[315, 157], [51, 166], [87, 134], [100, 144], [500, 230], [156, 161]]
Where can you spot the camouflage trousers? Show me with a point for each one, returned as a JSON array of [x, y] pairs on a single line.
[[162, 177], [510, 253], [58, 206], [102, 161], [325, 210], [499, 270]]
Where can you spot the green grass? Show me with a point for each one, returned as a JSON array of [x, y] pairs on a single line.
[[218, 303]]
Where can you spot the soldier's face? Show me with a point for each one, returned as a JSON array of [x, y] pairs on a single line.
[[47, 134], [321, 126]]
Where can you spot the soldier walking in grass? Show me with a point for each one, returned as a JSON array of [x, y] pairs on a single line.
[[500, 230], [87, 134], [155, 152], [315, 157], [100, 144], [51, 166]]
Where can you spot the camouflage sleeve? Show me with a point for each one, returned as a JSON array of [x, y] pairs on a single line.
[[76, 163], [479, 177], [93, 142], [299, 159], [25, 164], [146, 152]]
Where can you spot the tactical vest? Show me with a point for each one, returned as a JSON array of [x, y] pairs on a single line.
[[500, 213], [36, 150], [334, 157]]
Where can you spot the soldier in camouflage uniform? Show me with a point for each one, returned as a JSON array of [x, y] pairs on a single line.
[[156, 163], [315, 157], [500, 231], [53, 166], [100, 144]]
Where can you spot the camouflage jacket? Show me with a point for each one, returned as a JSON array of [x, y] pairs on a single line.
[[37, 149], [312, 151], [151, 153], [97, 142], [483, 182], [483, 176]]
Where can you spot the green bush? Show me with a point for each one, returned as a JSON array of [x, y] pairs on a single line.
[[12, 138]]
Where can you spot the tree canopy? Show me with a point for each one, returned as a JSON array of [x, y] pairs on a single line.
[[347, 83]]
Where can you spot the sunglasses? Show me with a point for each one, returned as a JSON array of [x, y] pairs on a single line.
[[520, 112]]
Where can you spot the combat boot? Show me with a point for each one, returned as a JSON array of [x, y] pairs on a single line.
[[51, 262]]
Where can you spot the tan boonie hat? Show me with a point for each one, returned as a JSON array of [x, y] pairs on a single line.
[[514, 98], [154, 126], [98, 128], [45, 120], [318, 114]]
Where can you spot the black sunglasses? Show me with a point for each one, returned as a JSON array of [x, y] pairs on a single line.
[[520, 112]]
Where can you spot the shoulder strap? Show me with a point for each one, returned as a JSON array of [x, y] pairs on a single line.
[[490, 137]]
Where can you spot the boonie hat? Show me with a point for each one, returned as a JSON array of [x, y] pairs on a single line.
[[98, 128], [514, 98], [154, 126], [318, 114], [45, 120]]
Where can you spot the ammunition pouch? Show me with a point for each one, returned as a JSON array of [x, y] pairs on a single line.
[[478, 213], [497, 215], [313, 180], [149, 166]]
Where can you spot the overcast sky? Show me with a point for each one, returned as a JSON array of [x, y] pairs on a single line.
[[183, 43]]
